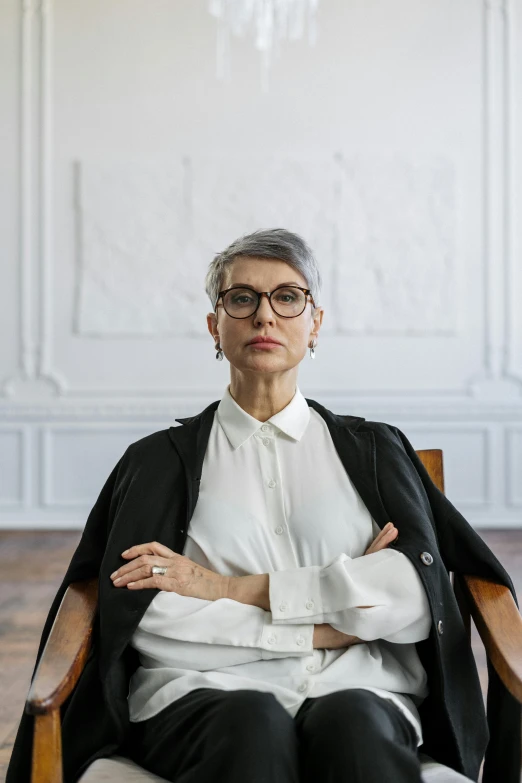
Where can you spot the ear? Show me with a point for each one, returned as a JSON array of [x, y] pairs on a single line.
[[212, 325], [317, 320]]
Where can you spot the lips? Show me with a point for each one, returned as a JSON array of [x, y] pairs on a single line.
[[264, 340]]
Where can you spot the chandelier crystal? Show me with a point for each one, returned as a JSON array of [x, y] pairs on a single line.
[[272, 20]]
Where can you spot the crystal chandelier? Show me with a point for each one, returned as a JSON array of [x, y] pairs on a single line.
[[273, 21]]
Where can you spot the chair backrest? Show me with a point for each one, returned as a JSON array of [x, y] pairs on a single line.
[[432, 460]]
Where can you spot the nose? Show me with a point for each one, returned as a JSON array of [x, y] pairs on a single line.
[[264, 313]]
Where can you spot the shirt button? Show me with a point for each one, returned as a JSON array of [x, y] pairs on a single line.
[[279, 530], [440, 627], [300, 640], [426, 558], [309, 604], [310, 667], [303, 686], [265, 427], [271, 639], [283, 607], [266, 441], [272, 483]]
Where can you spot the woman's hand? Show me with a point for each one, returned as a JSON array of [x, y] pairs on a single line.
[[388, 534], [328, 638], [182, 576]]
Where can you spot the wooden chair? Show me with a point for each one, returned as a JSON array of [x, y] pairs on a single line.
[[491, 605]]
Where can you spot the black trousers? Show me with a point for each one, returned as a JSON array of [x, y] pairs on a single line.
[[216, 736]]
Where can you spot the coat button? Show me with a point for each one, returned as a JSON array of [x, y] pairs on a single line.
[[426, 558], [440, 627], [309, 604]]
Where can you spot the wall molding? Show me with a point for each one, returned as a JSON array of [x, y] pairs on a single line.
[[513, 481], [23, 469], [487, 460], [35, 205], [188, 404], [498, 100], [46, 453]]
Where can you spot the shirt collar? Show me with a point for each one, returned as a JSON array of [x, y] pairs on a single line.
[[239, 425]]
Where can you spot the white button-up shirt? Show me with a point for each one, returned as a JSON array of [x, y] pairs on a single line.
[[275, 498]]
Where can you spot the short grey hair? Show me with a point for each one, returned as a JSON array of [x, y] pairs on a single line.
[[266, 243]]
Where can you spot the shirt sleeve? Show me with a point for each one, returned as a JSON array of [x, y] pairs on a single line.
[[171, 616], [386, 582]]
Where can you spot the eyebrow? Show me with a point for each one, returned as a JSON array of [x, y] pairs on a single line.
[[288, 282]]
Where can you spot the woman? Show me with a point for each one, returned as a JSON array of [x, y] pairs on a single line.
[[274, 497], [259, 616]]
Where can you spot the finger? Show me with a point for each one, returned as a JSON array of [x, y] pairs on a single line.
[[382, 533], [131, 576], [386, 539], [144, 562], [381, 541], [145, 572], [151, 548], [154, 581]]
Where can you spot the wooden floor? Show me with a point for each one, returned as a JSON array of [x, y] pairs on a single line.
[[32, 566]]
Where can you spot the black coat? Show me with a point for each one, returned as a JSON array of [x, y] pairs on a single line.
[[151, 495]]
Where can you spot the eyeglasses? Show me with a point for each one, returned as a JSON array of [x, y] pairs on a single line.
[[288, 301]]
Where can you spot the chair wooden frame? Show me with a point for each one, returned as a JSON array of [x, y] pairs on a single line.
[[491, 605]]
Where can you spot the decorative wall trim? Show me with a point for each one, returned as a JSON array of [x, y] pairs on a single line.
[[498, 101], [24, 469], [513, 192], [35, 111], [188, 404], [47, 438], [513, 485], [487, 464]]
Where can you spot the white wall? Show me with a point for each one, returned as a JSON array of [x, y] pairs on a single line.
[[393, 146]]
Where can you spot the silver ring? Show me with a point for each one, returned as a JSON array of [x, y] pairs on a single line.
[[159, 570]]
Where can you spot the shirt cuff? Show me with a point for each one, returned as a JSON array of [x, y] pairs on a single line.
[[295, 596], [287, 639]]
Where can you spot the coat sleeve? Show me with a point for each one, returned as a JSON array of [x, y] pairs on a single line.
[[85, 563], [465, 552], [376, 596], [172, 618]]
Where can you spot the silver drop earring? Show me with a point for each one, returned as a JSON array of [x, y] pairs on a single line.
[[219, 354], [312, 351]]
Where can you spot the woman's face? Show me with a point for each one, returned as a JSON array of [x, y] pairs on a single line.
[[293, 334]]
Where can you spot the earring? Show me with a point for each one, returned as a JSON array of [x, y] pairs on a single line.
[[312, 347], [219, 354]]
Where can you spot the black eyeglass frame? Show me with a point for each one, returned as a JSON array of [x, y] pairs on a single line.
[[268, 294]]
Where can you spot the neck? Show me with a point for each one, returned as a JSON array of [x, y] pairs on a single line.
[[263, 399]]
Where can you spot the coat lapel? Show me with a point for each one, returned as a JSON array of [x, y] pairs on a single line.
[[357, 452], [190, 441]]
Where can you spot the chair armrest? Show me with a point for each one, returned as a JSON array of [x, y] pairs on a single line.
[[66, 650], [499, 624]]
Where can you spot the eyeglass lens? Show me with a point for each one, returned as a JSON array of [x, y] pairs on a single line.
[[286, 301]]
